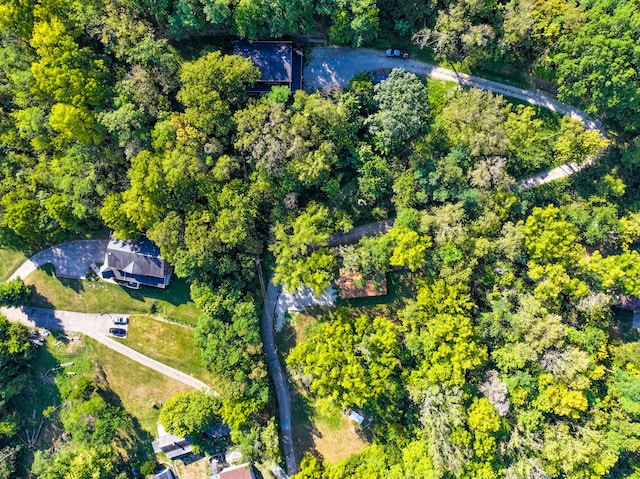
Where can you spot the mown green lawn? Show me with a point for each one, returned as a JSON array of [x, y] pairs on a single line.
[[49, 291], [171, 344], [9, 262]]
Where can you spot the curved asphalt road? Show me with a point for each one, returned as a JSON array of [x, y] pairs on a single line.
[[333, 67]]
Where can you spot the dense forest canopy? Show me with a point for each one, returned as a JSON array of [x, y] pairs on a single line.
[[113, 115]]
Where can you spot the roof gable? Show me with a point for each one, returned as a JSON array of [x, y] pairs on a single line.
[[137, 258]]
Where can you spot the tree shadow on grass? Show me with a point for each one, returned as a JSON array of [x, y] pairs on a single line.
[[38, 300], [304, 429], [139, 440], [177, 293]]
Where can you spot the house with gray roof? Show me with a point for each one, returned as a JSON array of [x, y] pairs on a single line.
[[134, 263], [279, 62]]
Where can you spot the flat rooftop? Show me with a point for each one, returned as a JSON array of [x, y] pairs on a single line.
[[280, 63]]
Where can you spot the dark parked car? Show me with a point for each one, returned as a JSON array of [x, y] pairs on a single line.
[[119, 332], [121, 321], [395, 53]]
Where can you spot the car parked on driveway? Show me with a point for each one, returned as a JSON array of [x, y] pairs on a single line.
[[121, 321], [395, 53], [118, 332]]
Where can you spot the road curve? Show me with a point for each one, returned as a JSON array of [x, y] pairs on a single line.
[[279, 379], [95, 326], [333, 67]]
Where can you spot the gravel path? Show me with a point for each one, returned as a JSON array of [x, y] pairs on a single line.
[[356, 234], [278, 376], [95, 326], [71, 259]]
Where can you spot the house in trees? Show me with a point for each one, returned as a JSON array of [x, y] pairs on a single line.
[[280, 64], [134, 263]]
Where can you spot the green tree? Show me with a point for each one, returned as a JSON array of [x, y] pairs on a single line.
[[441, 337], [595, 67], [14, 293], [190, 413], [351, 361], [296, 265], [403, 107], [550, 238], [212, 88], [475, 120]]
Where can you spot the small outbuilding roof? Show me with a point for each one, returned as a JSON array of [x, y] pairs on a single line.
[[372, 285], [356, 417], [171, 445]]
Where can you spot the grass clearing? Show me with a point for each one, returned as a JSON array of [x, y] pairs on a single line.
[[129, 385], [194, 470], [170, 343], [49, 291], [9, 262], [330, 435], [137, 387]]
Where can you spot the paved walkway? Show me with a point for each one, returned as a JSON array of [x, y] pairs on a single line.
[[71, 259], [95, 326], [279, 378]]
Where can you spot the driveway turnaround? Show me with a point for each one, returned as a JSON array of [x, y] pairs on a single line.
[[71, 259], [95, 326], [332, 67]]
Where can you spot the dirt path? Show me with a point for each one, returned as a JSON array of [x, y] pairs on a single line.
[[356, 234], [95, 326]]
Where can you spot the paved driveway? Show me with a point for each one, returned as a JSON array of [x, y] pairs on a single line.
[[71, 259], [332, 67], [279, 378], [97, 327]]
